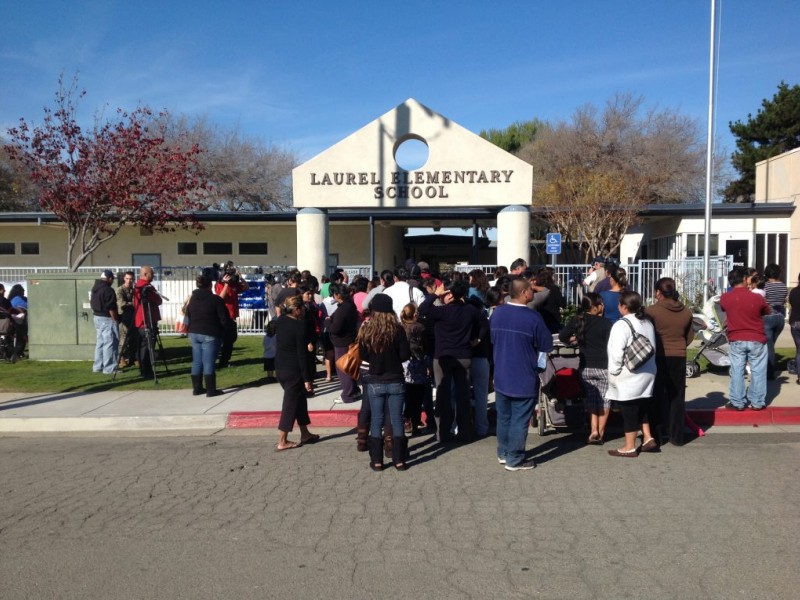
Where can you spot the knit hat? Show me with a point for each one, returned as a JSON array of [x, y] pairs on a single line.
[[107, 275], [381, 303]]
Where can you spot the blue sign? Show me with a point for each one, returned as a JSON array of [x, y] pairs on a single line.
[[553, 243], [253, 297]]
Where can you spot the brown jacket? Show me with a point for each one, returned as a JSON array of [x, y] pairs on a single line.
[[673, 322]]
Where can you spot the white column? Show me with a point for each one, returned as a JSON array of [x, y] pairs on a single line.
[[312, 241], [513, 234]]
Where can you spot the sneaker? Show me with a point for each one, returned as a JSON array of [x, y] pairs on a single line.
[[525, 466], [731, 406], [338, 400], [502, 461]]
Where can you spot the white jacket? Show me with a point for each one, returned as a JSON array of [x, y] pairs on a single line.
[[622, 383]]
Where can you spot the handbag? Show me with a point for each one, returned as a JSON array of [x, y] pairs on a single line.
[[350, 363], [638, 351]]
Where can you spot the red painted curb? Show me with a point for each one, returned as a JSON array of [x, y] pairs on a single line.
[[719, 417], [320, 418], [722, 417]]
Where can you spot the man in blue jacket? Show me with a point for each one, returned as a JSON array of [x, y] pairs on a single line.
[[518, 336]]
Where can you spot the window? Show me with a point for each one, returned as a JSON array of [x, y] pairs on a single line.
[[695, 244], [772, 248], [187, 248], [7, 248], [252, 247], [29, 248], [223, 249]]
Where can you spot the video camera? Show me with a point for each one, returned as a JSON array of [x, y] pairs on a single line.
[[228, 269]]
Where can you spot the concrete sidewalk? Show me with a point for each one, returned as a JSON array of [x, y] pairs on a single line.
[[251, 407]]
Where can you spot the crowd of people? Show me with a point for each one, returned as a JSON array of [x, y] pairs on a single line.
[[433, 346]]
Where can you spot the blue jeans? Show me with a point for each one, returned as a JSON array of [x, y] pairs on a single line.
[[773, 325], [204, 353], [107, 346], [513, 419], [479, 375], [380, 396], [756, 354]]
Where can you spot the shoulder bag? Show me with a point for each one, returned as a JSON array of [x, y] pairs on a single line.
[[638, 351], [350, 363]]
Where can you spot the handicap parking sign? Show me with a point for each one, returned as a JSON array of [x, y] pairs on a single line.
[[553, 243]]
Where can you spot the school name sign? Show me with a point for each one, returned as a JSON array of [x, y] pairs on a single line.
[[462, 169], [413, 184]]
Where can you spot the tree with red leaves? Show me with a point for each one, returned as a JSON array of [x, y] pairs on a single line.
[[122, 173]]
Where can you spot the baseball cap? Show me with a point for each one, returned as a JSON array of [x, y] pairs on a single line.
[[107, 275]]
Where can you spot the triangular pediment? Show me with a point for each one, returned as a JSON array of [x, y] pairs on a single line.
[[462, 169]]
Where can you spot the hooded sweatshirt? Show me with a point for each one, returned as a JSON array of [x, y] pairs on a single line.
[[673, 323], [103, 299]]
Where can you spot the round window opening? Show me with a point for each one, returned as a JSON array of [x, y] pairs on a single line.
[[411, 154]]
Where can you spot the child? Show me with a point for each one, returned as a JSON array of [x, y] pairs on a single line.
[[270, 349]]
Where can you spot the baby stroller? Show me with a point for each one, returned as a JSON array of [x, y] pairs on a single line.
[[560, 391], [710, 329], [7, 337]]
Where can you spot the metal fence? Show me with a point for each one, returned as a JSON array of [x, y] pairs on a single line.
[[176, 283], [642, 276]]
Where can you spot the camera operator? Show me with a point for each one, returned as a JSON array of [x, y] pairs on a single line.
[[229, 286], [146, 301]]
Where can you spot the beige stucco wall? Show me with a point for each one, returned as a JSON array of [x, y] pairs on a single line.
[[778, 180], [351, 241]]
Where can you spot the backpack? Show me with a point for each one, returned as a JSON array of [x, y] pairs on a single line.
[[638, 351]]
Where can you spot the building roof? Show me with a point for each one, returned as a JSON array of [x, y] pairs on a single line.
[[439, 214]]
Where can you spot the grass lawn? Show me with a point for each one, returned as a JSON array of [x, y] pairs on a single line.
[[75, 376]]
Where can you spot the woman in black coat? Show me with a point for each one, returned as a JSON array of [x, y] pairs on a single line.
[[343, 327], [208, 319], [291, 367]]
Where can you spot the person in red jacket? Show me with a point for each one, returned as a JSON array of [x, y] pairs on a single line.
[[748, 342], [146, 301]]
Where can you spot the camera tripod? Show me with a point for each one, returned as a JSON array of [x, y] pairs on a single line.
[[151, 336]]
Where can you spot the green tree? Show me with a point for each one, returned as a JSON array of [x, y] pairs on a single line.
[[774, 130], [515, 136]]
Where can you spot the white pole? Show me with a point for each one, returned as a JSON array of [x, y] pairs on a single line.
[[709, 153]]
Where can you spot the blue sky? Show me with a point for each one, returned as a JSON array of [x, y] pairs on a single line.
[[307, 74]]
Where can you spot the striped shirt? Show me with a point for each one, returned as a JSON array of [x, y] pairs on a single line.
[[775, 295]]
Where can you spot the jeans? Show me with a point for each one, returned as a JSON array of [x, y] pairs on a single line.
[[773, 325], [106, 348], [479, 374], [204, 353], [381, 395], [513, 419], [756, 354]]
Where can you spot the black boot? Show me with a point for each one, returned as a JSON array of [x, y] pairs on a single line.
[[387, 440], [400, 453], [362, 433], [211, 386], [197, 385], [375, 453]]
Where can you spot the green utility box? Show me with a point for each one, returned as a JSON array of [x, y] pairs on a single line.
[[61, 322]]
